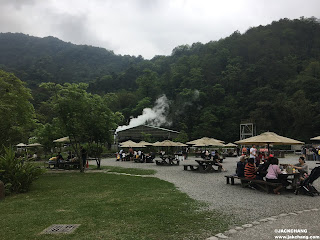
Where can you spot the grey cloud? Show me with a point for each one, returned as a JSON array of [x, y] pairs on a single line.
[[17, 4]]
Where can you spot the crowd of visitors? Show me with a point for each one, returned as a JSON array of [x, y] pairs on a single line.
[[260, 167]]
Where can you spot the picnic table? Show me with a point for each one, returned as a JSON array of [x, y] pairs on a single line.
[[168, 161], [64, 164], [292, 178], [204, 166]]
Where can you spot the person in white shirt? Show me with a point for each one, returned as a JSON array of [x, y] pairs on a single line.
[[253, 152]]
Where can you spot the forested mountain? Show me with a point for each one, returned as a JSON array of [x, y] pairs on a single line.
[[270, 74], [49, 59]]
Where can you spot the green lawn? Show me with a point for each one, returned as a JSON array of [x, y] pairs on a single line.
[[107, 207]]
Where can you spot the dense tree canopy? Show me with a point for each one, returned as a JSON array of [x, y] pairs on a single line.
[[16, 110]]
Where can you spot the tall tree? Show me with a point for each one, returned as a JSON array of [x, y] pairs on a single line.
[[16, 110]]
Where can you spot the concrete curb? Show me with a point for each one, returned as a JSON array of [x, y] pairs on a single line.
[[243, 227]]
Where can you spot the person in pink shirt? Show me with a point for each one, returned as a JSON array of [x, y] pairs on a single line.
[[273, 173]]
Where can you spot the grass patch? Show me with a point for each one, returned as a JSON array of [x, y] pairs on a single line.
[[107, 207], [134, 171]]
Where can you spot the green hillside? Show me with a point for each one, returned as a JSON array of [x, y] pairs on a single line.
[[270, 74]]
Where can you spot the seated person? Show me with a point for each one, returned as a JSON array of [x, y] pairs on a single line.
[[240, 166], [70, 156], [59, 157], [216, 158], [263, 169], [302, 168], [273, 174], [250, 170]]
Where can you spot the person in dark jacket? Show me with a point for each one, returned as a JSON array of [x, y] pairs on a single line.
[[240, 166]]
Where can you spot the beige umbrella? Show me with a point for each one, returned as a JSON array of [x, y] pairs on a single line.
[[166, 143], [145, 143], [21, 145], [269, 138], [34, 145], [181, 144], [62, 140], [230, 145], [205, 141], [132, 144], [315, 138]]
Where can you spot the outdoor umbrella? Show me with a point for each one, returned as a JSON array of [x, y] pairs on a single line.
[[62, 140], [269, 138], [230, 145], [34, 145], [145, 143], [132, 144], [315, 138], [21, 145], [205, 141], [166, 143]]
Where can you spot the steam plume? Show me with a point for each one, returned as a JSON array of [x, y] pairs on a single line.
[[155, 116]]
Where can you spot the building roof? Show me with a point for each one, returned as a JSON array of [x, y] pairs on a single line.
[[148, 126]]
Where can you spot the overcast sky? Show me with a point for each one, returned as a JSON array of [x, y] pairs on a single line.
[[145, 27]]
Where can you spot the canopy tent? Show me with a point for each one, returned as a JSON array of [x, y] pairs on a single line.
[[62, 140], [269, 138], [315, 138]]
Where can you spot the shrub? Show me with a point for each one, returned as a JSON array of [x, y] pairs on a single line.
[[17, 174]]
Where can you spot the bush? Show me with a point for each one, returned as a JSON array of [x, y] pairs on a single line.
[[17, 174]]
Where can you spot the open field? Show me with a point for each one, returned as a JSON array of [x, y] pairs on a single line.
[[108, 206]]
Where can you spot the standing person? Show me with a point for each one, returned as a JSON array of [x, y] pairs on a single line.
[[120, 153], [253, 152], [83, 156], [238, 151], [244, 151]]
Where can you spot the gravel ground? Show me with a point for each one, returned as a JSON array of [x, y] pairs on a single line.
[[243, 204]]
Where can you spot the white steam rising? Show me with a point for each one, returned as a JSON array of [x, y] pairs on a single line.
[[155, 116]]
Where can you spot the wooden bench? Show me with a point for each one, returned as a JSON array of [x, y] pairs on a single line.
[[264, 185], [168, 162], [193, 167]]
